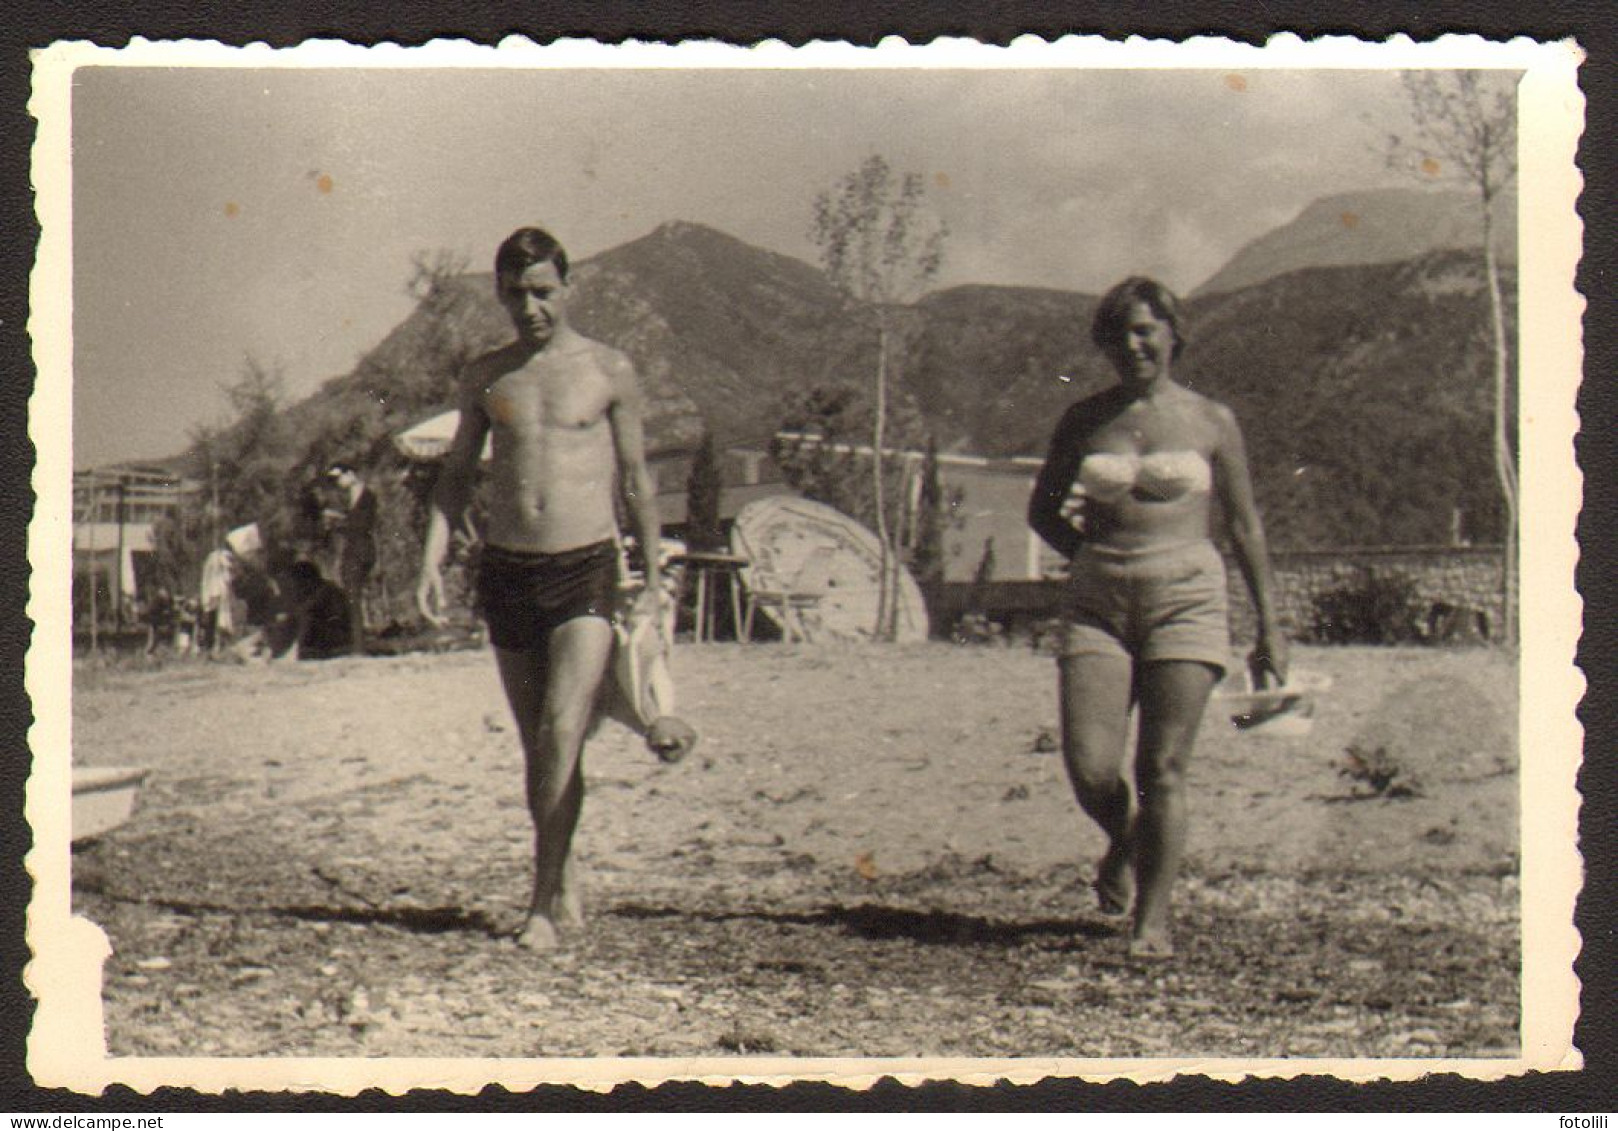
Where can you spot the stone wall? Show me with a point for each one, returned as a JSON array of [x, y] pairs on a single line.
[[1461, 578], [1465, 578]]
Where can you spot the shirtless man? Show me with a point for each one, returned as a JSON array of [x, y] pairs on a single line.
[[565, 414]]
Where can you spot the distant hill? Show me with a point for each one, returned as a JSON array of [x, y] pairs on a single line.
[[1364, 391], [1376, 226], [1365, 396], [732, 327], [1363, 388], [719, 332], [989, 364]]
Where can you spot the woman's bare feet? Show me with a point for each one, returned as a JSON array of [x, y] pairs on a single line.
[[1156, 946], [1115, 880]]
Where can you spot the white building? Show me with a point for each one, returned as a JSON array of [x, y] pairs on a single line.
[[115, 513]]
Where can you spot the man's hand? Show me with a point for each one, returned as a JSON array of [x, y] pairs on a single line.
[[430, 596], [1267, 662]]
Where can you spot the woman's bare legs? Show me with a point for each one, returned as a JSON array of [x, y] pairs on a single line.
[[1095, 692], [1173, 696]]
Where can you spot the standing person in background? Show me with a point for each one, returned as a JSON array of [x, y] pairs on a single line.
[[353, 531], [215, 601], [565, 415], [1127, 495]]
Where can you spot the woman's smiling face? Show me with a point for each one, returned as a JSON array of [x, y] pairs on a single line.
[[1146, 347]]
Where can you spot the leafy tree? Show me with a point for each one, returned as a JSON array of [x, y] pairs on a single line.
[[266, 463], [881, 246], [703, 486], [1466, 131], [823, 449], [251, 457], [243, 466]]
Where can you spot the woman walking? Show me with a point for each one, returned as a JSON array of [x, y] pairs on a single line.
[[1126, 494]]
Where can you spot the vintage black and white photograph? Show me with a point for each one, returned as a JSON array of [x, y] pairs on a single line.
[[926, 558]]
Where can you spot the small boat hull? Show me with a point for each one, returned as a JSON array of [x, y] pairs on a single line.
[[103, 798]]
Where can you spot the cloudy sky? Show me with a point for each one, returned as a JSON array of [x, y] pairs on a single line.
[[223, 213]]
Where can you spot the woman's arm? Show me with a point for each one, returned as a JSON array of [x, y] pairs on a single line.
[[1054, 481], [1235, 485]]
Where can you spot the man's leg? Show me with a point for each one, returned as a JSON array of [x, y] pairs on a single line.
[[1173, 696], [552, 698], [1095, 696]]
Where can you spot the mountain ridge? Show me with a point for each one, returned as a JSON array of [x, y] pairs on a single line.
[[1365, 227], [723, 334]]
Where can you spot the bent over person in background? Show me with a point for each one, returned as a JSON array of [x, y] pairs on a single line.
[[565, 416], [1126, 495]]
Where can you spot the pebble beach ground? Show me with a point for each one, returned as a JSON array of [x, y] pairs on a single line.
[[872, 852]]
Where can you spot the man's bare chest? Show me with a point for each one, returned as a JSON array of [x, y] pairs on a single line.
[[569, 398]]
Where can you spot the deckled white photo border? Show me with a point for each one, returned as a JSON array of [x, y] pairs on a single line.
[[67, 1046]]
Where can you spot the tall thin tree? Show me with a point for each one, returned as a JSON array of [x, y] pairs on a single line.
[[927, 559], [881, 246], [702, 488], [1466, 132]]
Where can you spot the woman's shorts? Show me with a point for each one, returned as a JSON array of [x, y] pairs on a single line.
[[1155, 604], [525, 596]]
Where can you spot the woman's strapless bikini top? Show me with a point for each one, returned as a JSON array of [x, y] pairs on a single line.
[[1164, 476]]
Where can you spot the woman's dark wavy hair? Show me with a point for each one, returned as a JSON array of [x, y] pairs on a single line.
[[1111, 322], [526, 247]]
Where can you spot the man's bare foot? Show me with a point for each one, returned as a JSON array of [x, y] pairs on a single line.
[[1115, 881], [547, 929], [1154, 946], [538, 934]]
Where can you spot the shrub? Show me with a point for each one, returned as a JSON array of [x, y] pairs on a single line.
[[1377, 607], [976, 628], [1380, 771]]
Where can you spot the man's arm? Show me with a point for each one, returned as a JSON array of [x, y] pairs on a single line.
[[625, 416], [1235, 483], [447, 507]]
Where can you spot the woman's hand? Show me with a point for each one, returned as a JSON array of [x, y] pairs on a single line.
[[1072, 510], [1267, 662]]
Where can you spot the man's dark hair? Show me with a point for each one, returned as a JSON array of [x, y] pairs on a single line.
[[526, 247], [1111, 322]]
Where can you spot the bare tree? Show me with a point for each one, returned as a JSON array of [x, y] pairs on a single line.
[[446, 340], [1466, 132], [880, 245]]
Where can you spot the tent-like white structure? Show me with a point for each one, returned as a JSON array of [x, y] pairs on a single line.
[[430, 440]]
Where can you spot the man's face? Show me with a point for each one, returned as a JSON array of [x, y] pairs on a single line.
[[536, 301]]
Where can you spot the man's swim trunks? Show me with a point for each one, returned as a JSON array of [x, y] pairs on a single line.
[[1167, 603], [526, 595]]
